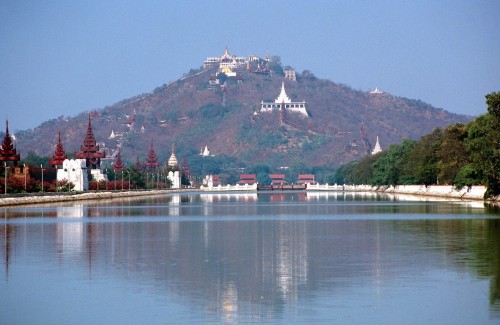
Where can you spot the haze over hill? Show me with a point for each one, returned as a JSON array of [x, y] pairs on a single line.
[[192, 115]]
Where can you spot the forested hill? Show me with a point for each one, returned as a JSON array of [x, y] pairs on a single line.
[[191, 114]]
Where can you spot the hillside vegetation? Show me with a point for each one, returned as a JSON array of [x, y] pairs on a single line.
[[191, 115]]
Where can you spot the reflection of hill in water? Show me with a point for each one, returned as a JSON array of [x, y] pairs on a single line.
[[235, 263]]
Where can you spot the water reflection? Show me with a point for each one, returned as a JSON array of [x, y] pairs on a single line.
[[252, 259]]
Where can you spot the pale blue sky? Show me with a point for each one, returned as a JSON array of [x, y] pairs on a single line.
[[64, 57]]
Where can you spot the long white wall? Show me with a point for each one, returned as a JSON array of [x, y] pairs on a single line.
[[475, 192]]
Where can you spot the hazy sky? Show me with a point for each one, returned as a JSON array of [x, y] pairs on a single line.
[[65, 57]]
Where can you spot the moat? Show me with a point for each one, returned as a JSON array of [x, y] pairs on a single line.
[[256, 257]]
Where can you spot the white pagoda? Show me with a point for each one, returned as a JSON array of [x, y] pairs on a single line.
[[284, 100], [377, 148]]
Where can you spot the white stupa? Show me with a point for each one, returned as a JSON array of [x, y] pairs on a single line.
[[377, 148]]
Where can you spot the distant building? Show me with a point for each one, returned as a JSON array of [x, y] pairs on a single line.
[[90, 150], [224, 62], [249, 179], [284, 102], [59, 154], [75, 172], [376, 91], [306, 179], [118, 165], [205, 153], [172, 161], [277, 179], [8, 151], [290, 74], [152, 162], [377, 148]]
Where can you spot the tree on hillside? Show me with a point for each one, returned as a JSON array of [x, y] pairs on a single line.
[[275, 65]]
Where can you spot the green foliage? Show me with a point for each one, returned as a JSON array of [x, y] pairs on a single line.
[[32, 159], [483, 146], [389, 169], [452, 155], [263, 178], [213, 111], [422, 164], [493, 104], [467, 176], [275, 65]]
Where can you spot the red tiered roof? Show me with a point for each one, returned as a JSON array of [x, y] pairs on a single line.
[[249, 179], [118, 165], [185, 169], [277, 179], [138, 165], [90, 149], [306, 178], [8, 152], [59, 154], [152, 160]]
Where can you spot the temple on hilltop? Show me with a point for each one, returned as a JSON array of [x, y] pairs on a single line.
[[59, 153], [152, 162], [90, 150], [284, 102], [376, 91], [118, 165], [8, 152], [224, 62]]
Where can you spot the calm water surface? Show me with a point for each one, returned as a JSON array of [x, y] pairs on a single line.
[[303, 258]]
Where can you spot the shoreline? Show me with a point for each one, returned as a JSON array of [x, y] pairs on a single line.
[[474, 193], [78, 196]]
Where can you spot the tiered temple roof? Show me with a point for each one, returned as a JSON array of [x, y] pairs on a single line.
[[59, 153], [118, 164], [90, 149], [152, 162], [8, 151]]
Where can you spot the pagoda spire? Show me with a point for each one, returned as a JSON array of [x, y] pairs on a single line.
[[118, 164], [283, 97], [152, 160], [90, 149], [59, 154], [8, 151], [172, 161]]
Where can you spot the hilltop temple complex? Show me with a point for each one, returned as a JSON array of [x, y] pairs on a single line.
[[224, 61], [284, 102]]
